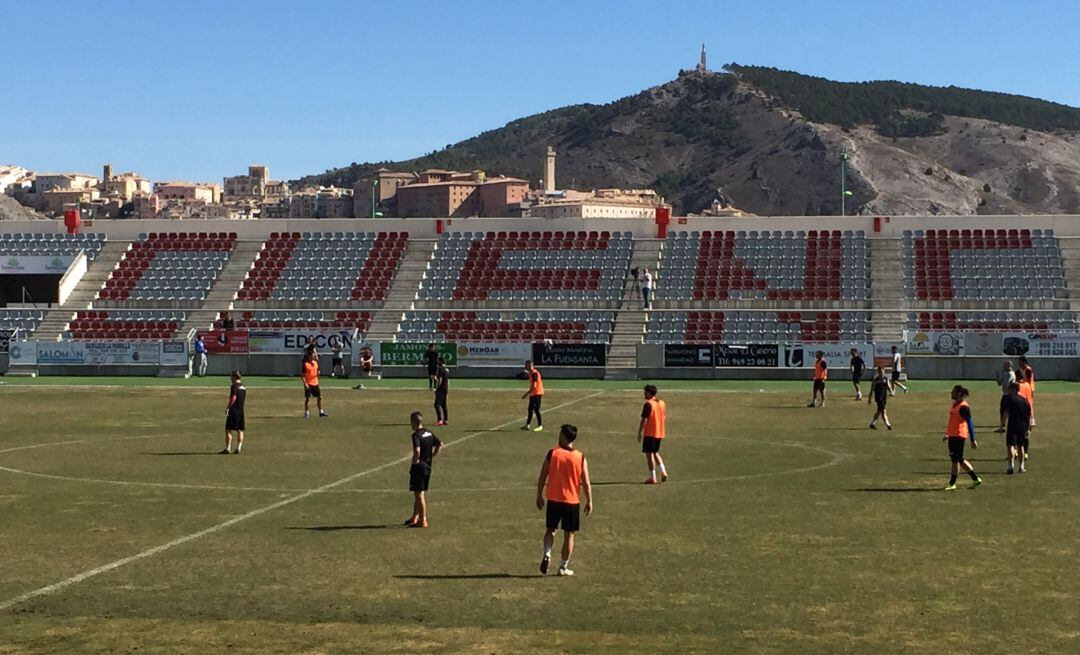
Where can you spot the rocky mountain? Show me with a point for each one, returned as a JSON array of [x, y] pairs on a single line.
[[11, 210], [770, 142]]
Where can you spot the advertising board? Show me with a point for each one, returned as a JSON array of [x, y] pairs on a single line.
[[396, 353], [942, 344], [225, 341], [688, 354], [757, 355], [1040, 344], [281, 342], [174, 353], [34, 265], [569, 354], [493, 354], [837, 355]]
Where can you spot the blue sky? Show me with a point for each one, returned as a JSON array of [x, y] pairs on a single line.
[[198, 89]]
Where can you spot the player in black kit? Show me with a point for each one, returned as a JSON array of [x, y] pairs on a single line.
[[234, 414], [442, 388]]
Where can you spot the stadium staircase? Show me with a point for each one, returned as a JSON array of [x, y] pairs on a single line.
[[629, 328], [1070, 253], [401, 296], [886, 290], [56, 320], [221, 295]]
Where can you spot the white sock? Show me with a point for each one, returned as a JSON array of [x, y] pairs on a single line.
[[239, 446], [565, 564], [547, 553], [652, 474], [663, 471]]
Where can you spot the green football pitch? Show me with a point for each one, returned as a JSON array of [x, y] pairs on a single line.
[[783, 529]]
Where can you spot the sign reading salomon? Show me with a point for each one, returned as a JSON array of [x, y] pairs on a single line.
[[569, 354]]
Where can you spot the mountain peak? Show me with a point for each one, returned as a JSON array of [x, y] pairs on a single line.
[[769, 141]]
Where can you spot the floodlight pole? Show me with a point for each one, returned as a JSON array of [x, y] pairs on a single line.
[[843, 182], [374, 184]]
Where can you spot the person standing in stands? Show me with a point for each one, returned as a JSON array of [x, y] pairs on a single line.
[[635, 284], [309, 374], [857, 368], [646, 289], [821, 374], [234, 414], [442, 389], [563, 477], [425, 446], [227, 322], [1005, 378], [199, 358], [651, 432], [535, 394], [1028, 373], [897, 364], [958, 431], [432, 356], [879, 393]]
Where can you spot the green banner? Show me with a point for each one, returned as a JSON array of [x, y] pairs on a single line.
[[395, 353]]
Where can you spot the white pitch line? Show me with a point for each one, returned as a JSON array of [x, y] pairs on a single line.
[[105, 568]]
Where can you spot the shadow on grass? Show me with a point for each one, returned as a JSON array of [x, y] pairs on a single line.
[[470, 576], [183, 454], [894, 490], [337, 528], [617, 483], [970, 459], [945, 472]]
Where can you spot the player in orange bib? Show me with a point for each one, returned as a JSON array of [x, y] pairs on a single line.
[[535, 394], [1027, 391], [1028, 374], [563, 478], [309, 373], [821, 374], [959, 429], [651, 433]]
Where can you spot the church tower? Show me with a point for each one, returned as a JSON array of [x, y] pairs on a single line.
[[702, 67]]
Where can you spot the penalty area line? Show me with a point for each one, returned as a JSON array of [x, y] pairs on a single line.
[[111, 566]]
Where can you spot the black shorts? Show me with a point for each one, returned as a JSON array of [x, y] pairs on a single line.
[[440, 397], [312, 392], [568, 515], [650, 445], [335, 362], [419, 476], [234, 421], [1014, 438], [881, 404], [431, 371], [819, 385], [956, 448], [1003, 406], [895, 377], [856, 377]]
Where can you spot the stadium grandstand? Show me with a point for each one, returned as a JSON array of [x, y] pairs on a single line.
[[823, 280]]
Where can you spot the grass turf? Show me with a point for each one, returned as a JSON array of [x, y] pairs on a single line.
[[784, 529]]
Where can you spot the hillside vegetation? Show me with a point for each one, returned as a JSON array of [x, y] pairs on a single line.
[[769, 141]]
